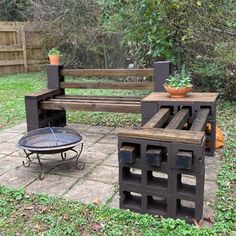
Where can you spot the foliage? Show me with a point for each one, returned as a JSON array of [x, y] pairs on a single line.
[[53, 51], [183, 31], [179, 80], [11, 10]]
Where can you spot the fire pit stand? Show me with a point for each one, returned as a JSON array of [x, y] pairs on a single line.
[[51, 140]]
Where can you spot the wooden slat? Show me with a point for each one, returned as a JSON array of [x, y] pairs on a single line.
[[24, 49], [103, 98], [11, 63], [91, 106], [165, 135], [102, 85], [42, 93], [200, 122], [159, 119], [108, 72], [179, 119], [20, 62], [94, 101], [11, 48]]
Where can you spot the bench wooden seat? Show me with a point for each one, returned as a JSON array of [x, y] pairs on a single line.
[[123, 104]]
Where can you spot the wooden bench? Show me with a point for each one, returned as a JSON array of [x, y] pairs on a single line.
[[49, 106]]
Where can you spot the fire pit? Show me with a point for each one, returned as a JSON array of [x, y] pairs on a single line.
[[51, 140]]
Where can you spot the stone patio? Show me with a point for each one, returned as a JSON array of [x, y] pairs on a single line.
[[96, 183]]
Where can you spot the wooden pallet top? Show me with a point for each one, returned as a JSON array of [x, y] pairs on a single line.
[[164, 135], [191, 97]]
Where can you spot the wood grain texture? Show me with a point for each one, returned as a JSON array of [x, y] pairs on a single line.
[[191, 97], [159, 119], [91, 106], [165, 135], [200, 122], [102, 85], [107, 72], [102, 98], [179, 119]]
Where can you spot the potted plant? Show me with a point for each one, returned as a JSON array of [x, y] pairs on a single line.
[[179, 84], [54, 56]]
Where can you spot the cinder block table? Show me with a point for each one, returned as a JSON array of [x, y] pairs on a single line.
[[154, 160], [193, 101]]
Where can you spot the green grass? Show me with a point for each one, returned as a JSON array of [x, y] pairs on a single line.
[[13, 88], [24, 214]]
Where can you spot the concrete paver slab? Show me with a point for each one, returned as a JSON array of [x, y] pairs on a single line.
[[88, 191], [112, 160], [105, 174], [53, 185], [17, 178], [100, 129]]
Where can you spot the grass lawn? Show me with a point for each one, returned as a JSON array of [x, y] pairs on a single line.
[[24, 214]]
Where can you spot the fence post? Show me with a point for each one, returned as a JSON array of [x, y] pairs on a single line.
[[24, 49], [162, 71]]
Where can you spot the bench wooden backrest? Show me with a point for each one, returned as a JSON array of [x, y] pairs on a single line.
[[160, 73]]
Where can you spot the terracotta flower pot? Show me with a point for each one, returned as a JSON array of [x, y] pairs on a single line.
[[177, 92], [54, 59]]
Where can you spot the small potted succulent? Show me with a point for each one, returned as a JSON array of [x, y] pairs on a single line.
[[54, 56], [179, 84]]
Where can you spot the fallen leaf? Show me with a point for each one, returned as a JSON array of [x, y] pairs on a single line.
[[198, 224], [96, 201], [96, 226], [29, 208], [65, 216]]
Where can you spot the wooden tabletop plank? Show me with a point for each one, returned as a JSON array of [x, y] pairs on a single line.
[[191, 97], [165, 135], [200, 122], [179, 119], [159, 119]]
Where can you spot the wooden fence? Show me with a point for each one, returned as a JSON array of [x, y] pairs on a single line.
[[20, 48]]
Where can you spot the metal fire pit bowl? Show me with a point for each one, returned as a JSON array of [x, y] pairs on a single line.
[[51, 140]]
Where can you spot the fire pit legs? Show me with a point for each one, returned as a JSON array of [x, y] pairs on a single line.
[[41, 166], [77, 159], [29, 160]]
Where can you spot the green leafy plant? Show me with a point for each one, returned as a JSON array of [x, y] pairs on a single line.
[[53, 51], [179, 80]]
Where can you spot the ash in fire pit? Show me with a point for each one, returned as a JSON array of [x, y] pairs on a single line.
[[51, 140]]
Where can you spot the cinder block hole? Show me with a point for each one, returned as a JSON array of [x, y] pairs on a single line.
[[156, 154], [48, 113], [157, 204], [185, 209], [132, 175], [157, 179], [188, 107], [42, 116], [132, 200], [207, 107], [186, 184]]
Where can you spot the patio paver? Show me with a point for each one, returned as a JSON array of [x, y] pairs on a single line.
[[97, 183]]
